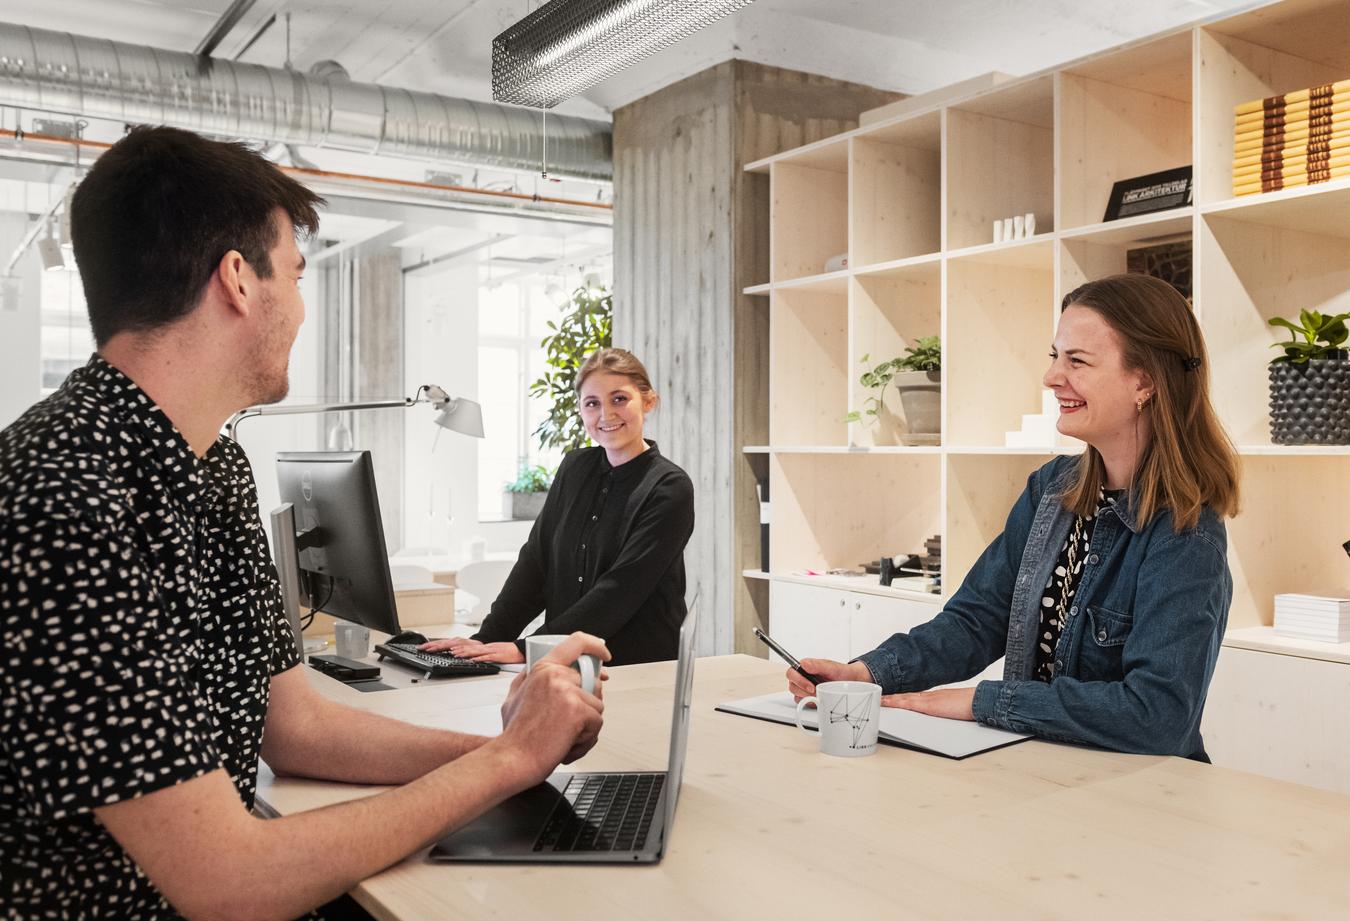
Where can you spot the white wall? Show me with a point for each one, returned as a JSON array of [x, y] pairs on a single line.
[[20, 328]]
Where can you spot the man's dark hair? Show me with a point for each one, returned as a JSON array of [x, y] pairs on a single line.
[[160, 209]]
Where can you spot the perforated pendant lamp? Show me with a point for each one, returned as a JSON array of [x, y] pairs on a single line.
[[567, 46]]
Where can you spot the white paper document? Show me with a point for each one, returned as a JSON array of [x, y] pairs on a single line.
[[951, 738]]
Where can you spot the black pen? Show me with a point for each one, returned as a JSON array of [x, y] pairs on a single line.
[[786, 656]]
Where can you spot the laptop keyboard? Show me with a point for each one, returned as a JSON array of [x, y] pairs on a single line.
[[609, 812]]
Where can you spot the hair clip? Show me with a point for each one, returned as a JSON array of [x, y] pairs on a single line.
[[1192, 363]]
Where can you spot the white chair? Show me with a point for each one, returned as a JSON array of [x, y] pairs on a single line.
[[477, 585]]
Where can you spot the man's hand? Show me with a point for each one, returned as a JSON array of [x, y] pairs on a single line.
[[465, 648], [949, 703], [827, 670], [547, 718]]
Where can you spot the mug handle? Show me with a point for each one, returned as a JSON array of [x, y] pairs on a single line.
[[801, 705], [589, 666]]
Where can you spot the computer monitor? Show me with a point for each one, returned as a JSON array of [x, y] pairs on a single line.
[[337, 537]]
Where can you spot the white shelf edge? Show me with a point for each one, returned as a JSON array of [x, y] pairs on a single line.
[[758, 289], [878, 268], [755, 574], [852, 449], [989, 249], [864, 584], [1294, 450], [1244, 202], [1000, 449], [808, 281], [1129, 223], [756, 449], [1265, 639]]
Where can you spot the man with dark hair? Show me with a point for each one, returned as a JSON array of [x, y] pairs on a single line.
[[145, 662]]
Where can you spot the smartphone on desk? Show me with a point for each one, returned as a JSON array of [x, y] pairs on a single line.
[[786, 656]]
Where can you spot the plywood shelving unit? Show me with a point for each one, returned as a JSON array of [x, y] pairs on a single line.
[[911, 201]]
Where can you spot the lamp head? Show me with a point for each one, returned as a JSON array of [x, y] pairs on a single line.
[[463, 416]]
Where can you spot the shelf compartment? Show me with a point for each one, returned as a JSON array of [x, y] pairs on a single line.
[[981, 490], [837, 512], [808, 367], [1253, 272], [897, 191], [889, 313], [1280, 542], [1291, 46], [1088, 258], [1000, 161], [1122, 115], [998, 330], [809, 215]]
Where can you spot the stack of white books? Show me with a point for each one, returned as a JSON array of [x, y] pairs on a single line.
[[1313, 617]]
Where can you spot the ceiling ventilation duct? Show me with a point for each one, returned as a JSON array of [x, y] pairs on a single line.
[[58, 72], [567, 46]]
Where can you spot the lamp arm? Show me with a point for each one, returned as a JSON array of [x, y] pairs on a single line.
[[233, 422]]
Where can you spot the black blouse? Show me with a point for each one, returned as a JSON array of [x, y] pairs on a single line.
[[606, 556], [1063, 585]]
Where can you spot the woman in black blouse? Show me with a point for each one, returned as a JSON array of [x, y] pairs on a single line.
[[606, 555]]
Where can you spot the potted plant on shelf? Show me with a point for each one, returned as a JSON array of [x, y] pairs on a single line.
[[1310, 381], [917, 375], [524, 497]]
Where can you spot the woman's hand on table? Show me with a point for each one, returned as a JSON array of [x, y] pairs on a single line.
[[464, 648], [949, 703]]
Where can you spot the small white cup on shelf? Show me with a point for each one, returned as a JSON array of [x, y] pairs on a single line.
[[998, 231], [1029, 223], [1007, 229], [1019, 227]]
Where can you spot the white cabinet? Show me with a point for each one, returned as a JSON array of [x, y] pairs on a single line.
[[830, 623], [820, 622], [808, 621]]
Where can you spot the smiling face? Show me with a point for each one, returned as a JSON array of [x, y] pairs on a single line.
[[613, 410], [1097, 394]]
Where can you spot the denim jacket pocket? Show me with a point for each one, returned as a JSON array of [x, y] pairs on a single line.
[[1109, 628], [1099, 655]]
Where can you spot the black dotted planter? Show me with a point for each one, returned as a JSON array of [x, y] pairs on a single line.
[[1310, 402]]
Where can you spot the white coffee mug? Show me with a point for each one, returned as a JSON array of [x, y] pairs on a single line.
[[849, 716], [353, 640], [536, 647]]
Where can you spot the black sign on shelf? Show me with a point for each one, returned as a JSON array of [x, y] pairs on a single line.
[[1146, 194]]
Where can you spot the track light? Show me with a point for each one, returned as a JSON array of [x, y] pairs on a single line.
[[567, 46]]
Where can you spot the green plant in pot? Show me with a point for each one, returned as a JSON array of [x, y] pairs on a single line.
[[523, 498], [586, 325], [917, 376], [1310, 381]]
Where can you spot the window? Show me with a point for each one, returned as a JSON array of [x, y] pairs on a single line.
[[66, 342], [512, 319]]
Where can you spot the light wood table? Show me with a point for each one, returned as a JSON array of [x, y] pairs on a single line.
[[769, 828]]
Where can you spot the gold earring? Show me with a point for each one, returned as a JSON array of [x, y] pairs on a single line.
[[1139, 404]]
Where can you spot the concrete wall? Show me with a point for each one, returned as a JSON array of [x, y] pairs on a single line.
[[690, 232]]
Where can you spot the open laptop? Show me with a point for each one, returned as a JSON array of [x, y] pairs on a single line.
[[622, 817]]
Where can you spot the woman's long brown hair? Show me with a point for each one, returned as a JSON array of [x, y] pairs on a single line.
[[1189, 462]]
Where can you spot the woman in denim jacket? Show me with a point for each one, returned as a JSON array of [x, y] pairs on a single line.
[[1108, 590]]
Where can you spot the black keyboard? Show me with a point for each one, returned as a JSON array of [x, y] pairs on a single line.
[[433, 664], [603, 812]]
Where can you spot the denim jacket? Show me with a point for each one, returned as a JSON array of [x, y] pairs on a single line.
[[1137, 652]]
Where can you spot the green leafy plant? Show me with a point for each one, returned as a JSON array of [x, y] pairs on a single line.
[[586, 325], [923, 355], [531, 479], [1324, 336]]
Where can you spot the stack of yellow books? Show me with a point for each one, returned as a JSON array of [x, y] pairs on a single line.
[[1291, 140]]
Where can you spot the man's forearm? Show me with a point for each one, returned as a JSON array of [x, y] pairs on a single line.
[[336, 742]]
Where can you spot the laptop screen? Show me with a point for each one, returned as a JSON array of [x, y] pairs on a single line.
[[679, 723]]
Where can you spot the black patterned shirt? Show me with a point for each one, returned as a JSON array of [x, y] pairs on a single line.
[[1063, 585], [140, 624]]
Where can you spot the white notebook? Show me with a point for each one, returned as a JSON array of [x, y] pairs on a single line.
[[933, 734]]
